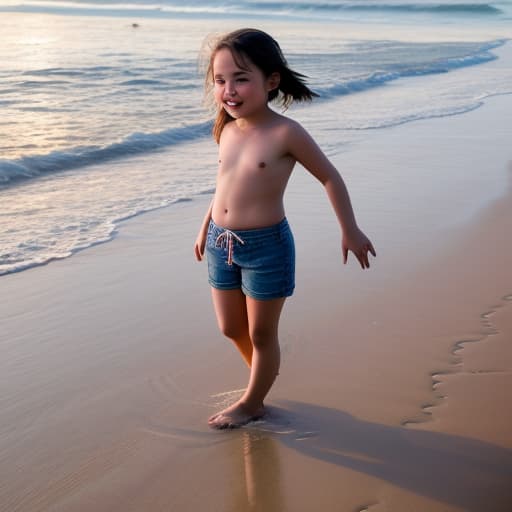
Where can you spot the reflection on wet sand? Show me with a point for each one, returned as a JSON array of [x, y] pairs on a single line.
[[262, 470]]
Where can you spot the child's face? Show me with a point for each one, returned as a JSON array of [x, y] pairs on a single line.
[[241, 92]]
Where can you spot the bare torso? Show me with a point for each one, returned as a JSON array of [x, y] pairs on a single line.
[[254, 168]]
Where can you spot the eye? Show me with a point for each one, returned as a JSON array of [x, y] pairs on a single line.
[[242, 80], [219, 81]]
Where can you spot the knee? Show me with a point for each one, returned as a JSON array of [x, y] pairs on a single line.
[[232, 330], [262, 337]]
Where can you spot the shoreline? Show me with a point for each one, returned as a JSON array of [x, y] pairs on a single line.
[[112, 359], [503, 54], [119, 224]]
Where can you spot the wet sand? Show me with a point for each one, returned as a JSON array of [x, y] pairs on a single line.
[[395, 386]]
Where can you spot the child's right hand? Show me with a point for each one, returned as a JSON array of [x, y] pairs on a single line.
[[200, 245]]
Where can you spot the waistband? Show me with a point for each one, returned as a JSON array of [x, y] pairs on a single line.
[[229, 237], [253, 233]]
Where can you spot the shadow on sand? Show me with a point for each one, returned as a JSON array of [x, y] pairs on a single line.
[[473, 475]]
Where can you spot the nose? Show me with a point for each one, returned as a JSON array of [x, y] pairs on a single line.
[[230, 89]]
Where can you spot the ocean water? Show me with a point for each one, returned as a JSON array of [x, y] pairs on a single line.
[[102, 107]]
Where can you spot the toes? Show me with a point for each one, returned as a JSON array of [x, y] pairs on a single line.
[[211, 419], [222, 422], [234, 418]]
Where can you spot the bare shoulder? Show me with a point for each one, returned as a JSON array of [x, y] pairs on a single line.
[[301, 146], [296, 138], [291, 132], [288, 126], [228, 129]]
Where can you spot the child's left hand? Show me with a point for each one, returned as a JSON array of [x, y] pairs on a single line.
[[357, 242]]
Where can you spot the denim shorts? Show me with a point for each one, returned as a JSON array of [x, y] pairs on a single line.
[[261, 262]]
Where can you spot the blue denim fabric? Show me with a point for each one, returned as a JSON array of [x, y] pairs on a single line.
[[263, 260]]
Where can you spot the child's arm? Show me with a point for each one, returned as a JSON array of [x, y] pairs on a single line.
[[201, 237], [306, 151]]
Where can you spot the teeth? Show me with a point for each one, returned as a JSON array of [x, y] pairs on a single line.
[[231, 103]]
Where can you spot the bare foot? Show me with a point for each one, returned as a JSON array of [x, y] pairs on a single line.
[[235, 416]]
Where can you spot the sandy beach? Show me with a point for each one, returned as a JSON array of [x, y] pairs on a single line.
[[395, 386]]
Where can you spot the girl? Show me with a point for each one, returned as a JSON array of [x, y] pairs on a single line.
[[249, 245]]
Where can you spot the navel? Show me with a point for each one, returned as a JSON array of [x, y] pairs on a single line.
[[262, 165]]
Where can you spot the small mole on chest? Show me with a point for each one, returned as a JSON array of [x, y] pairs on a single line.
[[262, 165], [225, 210]]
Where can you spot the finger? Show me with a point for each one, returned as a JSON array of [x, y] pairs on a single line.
[[360, 258], [345, 255], [372, 250], [365, 260]]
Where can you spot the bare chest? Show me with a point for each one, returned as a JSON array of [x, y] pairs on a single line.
[[253, 159]]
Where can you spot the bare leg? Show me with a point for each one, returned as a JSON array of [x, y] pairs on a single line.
[[263, 322], [231, 311], [263, 319]]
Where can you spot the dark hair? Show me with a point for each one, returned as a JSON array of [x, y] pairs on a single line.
[[265, 53]]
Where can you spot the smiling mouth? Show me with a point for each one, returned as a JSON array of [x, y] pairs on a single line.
[[230, 103]]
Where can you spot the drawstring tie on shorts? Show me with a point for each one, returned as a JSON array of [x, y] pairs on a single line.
[[225, 239]]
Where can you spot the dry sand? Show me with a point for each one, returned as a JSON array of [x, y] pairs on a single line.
[[395, 387]]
